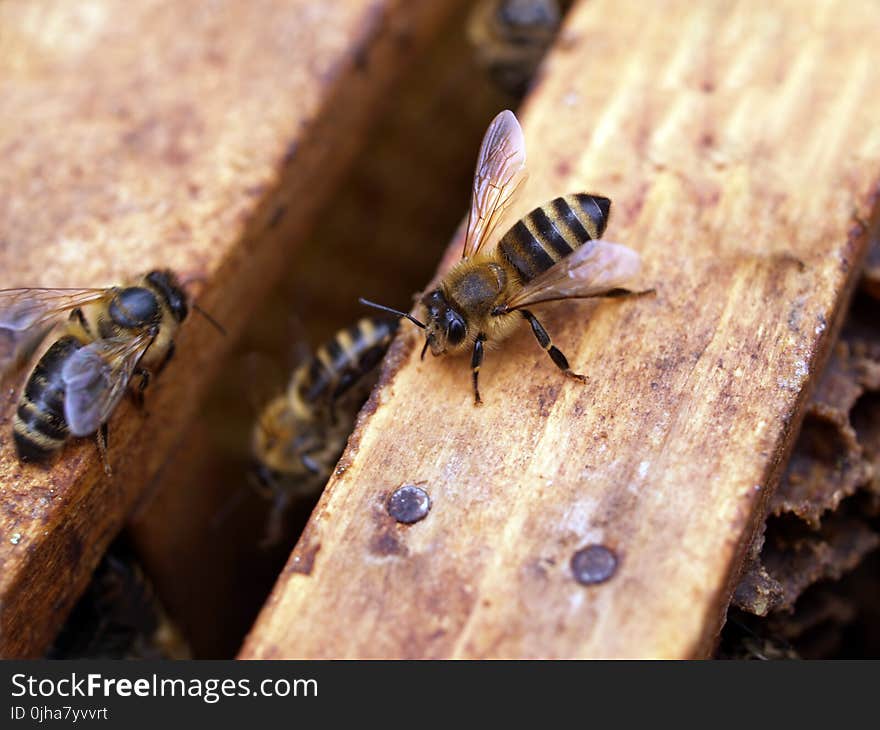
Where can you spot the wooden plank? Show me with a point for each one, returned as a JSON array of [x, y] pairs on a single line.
[[205, 522], [162, 135], [741, 198]]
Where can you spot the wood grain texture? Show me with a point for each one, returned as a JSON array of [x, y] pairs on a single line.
[[200, 137], [739, 143]]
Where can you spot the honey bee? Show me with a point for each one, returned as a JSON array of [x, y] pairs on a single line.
[[111, 335], [552, 253], [510, 38], [300, 435], [119, 616]]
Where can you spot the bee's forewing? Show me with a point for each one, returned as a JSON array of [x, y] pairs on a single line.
[[17, 347], [595, 268], [21, 309], [95, 378], [501, 169]]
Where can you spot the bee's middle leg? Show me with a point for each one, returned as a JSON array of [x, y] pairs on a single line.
[[476, 361], [137, 394], [547, 345]]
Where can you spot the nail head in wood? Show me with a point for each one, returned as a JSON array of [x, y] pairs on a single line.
[[593, 564], [409, 504]]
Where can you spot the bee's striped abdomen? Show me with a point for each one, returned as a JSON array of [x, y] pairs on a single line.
[[552, 231], [340, 363], [39, 427]]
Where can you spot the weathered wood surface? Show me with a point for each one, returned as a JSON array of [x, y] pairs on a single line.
[[205, 523], [739, 142], [162, 134]]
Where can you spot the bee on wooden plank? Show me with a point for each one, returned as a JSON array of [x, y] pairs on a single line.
[[555, 252], [300, 435], [110, 336], [510, 37]]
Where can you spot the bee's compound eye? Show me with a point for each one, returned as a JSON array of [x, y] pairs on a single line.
[[455, 333], [134, 307]]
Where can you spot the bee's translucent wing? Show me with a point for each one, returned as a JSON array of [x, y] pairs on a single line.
[[27, 314], [595, 269], [21, 309], [501, 168], [95, 378], [16, 348]]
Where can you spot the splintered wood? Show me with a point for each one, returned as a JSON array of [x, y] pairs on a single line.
[[739, 144], [162, 134], [820, 524]]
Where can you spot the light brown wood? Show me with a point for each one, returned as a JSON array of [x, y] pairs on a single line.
[[162, 134], [739, 144]]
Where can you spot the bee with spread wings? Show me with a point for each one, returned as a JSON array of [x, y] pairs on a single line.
[[110, 335], [555, 252]]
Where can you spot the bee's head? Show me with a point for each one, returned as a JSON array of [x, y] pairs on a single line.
[[166, 284], [288, 463], [445, 328], [272, 438]]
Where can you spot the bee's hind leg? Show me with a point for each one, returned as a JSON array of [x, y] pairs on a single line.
[[554, 352], [102, 439], [476, 361]]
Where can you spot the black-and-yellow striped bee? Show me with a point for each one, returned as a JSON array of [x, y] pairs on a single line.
[[300, 435], [111, 335], [510, 38], [553, 253]]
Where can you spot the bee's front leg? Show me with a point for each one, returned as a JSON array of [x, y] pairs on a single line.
[[476, 361], [309, 462], [306, 445]]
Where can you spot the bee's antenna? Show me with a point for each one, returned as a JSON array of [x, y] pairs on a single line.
[[393, 311], [207, 316], [185, 281]]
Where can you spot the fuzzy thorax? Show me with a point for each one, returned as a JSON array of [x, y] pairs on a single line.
[[464, 306]]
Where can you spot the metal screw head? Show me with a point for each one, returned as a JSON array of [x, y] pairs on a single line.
[[593, 564], [409, 504]]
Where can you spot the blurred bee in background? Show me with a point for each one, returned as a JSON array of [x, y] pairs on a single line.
[[746, 637], [510, 37], [111, 335], [119, 616], [553, 253], [300, 435]]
